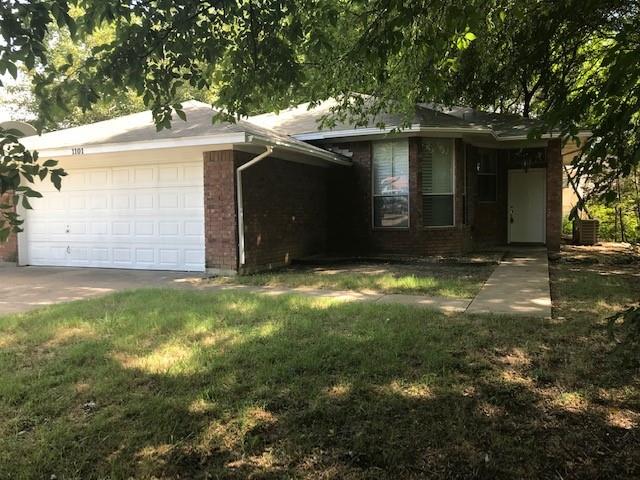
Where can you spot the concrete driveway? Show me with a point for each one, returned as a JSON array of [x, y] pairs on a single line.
[[26, 288]]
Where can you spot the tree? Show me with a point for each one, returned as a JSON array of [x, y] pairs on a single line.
[[572, 63], [255, 55]]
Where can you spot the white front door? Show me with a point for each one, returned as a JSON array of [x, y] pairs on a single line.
[[147, 216], [527, 205]]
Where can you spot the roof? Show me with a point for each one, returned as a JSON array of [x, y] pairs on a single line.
[[139, 129], [24, 128], [303, 122]]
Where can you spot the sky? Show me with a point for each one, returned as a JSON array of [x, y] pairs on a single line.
[[6, 78], [7, 113]]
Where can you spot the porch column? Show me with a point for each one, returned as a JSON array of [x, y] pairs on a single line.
[[220, 220], [554, 195]]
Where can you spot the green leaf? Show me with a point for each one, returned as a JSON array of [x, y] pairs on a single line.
[[13, 69]]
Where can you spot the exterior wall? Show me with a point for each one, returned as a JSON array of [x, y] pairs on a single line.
[[285, 212], [350, 211], [554, 195], [293, 210], [489, 219], [8, 249], [220, 219]]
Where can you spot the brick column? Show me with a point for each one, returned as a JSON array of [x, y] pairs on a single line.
[[554, 195], [220, 218]]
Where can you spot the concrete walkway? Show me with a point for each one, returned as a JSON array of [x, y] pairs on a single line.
[[518, 286], [443, 304]]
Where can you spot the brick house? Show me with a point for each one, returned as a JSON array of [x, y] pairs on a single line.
[[256, 194]]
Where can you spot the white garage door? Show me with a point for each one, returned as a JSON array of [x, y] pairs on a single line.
[[142, 217]]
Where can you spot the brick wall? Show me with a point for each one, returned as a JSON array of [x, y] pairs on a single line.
[[221, 236], [350, 211], [293, 210], [554, 195], [8, 249], [284, 211]]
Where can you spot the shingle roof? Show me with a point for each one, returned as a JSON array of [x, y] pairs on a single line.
[[303, 120], [139, 127]]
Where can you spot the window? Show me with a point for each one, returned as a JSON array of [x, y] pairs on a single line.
[[391, 184], [487, 175], [436, 157]]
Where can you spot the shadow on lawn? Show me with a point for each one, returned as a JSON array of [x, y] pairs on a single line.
[[253, 387]]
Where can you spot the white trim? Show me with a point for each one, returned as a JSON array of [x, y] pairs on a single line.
[[145, 145], [228, 140], [417, 128], [306, 149]]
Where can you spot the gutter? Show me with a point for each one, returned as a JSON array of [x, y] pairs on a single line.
[[309, 150], [416, 128], [239, 200]]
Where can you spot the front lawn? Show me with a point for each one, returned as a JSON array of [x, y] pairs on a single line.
[[445, 280], [190, 384]]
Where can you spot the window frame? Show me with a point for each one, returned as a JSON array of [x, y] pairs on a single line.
[[454, 162], [494, 174], [373, 186]]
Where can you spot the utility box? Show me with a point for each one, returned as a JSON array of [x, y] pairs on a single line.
[[585, 232]]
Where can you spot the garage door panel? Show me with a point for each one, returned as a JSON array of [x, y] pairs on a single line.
[[148, 217]]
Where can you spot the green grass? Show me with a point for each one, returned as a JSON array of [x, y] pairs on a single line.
[[192, 384], [455, 281]]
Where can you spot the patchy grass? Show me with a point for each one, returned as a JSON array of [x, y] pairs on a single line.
[[446, 280], [189, 384]]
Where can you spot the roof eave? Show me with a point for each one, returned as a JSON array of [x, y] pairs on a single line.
[[309, 150], [417, 129], [80, 149]]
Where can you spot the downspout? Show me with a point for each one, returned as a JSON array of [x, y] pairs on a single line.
[[239, 200]]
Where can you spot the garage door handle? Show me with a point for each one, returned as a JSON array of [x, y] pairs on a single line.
[[68, 249]]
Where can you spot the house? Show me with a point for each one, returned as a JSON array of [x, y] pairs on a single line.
[[251, 195]]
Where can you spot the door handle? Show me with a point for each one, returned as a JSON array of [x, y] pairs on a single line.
[[68, 229], [68, 249], [511, 219]]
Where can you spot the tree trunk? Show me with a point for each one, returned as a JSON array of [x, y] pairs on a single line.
[[636, 183], [623, 236]]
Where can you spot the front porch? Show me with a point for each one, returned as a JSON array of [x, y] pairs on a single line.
[[514, 196]]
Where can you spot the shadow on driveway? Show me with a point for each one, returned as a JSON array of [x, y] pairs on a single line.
[[26, 288]]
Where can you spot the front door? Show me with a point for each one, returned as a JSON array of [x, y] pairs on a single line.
[[527, 204]]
